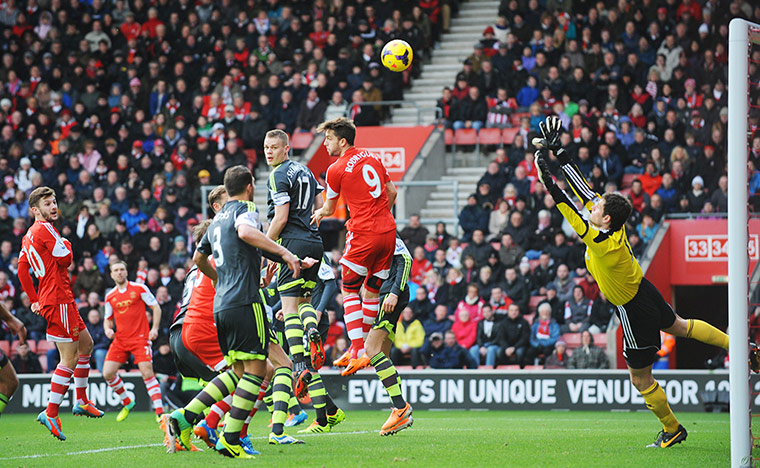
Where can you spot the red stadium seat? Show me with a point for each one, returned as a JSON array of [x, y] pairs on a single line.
[[573, 340], [529, 318], [43, 362], [43, 346], [32, 345], [508, 136], [5, 347], [628, 180], [251, 155], [600, 340], [534, 302], [490, 136], [515, 118], [539, 367], [301, 140], [467, 137], [448, 136]]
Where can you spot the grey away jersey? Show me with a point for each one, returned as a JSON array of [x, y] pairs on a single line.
[[292, 182], [238, 264]]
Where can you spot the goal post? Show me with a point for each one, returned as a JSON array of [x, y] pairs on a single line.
[[739, 43]]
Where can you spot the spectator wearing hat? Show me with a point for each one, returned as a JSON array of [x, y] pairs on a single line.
[[697, 195], [447, 353], [558, 359]]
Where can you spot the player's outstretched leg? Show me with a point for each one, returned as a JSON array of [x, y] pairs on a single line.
[[83, 405], [182, 420], [654, 396], [243, 400], [117, 385], [282, 386], [316, 348], [401, 416], [206, 430]]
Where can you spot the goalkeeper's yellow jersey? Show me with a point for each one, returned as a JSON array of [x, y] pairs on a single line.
[[609, 257]]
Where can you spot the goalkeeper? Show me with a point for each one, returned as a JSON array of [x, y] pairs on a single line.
[[641, 308]]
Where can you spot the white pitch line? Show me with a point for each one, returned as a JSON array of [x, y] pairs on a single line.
[[84, 452]]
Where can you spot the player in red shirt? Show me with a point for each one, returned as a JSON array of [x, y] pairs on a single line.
[[125, 307], [49, 256], [360, 177]]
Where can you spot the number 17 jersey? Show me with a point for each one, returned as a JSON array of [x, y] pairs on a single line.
[[293, 183], [360, 177]]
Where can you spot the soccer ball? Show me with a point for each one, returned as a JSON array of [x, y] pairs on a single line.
[[397, 55]]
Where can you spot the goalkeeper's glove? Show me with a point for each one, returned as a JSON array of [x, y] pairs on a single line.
[[544, 175], [551, 130]]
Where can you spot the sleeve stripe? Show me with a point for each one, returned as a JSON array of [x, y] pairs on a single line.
[[331, 193], [578, 182]]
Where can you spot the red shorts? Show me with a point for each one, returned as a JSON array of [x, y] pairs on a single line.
[[200, 338], [119, 351], [369, 254], [63, 322]]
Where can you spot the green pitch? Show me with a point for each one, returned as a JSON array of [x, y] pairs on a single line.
[[437, 439]]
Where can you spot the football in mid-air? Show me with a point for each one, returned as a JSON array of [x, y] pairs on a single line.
[[397, 55]]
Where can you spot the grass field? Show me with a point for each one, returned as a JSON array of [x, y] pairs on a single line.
[[437, 439]]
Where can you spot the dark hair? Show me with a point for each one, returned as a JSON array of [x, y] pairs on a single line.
[[38, 194], [341, 127], [619, 209], [236, 179]]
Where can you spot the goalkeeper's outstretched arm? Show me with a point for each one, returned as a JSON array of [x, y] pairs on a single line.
[[577, 182]]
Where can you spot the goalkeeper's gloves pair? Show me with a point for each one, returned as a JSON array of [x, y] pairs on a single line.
[[551, 130]]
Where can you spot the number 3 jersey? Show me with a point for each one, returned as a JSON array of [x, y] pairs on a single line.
[[360, 177], [237, 263], [293, 183], [49, 256]]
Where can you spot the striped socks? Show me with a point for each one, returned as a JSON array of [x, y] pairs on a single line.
[[318, 395], [308, 315], [81, 374], [154, 391], [281, 391], [370, 306], [117, 385], [217, 411], [387, 374], [216, 390], [59, 385], [294, 336], [256, 406], [354, 318], [243, 400]]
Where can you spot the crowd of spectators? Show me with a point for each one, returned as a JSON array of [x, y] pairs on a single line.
[[126, 108]]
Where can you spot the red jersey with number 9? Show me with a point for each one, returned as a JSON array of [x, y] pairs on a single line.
[[360, 177], [49, 256]]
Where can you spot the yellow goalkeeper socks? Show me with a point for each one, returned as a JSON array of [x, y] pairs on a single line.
[[657, 402], [706, 333]]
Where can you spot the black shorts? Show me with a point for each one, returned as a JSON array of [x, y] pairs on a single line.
[[304, 284], [244, 333], [642, 318], [388, 321], [187, 363], [3, 359]]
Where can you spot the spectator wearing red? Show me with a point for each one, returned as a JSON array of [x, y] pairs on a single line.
[[130, 28], [420, 266], [465, 329]]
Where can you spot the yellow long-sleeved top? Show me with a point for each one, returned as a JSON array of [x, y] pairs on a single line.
[[609, 257], [414, 335]]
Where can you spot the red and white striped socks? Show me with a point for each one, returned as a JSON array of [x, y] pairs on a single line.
[[154, 391], [256, 406], [117, 385], [218, 410], [59, 385], [81, 375], [354, 318], [370, 307]]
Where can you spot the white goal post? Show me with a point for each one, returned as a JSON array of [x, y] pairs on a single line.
[[740, 32]]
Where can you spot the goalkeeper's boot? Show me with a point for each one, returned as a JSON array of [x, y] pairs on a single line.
[[248, 446], [52, 424], [87, 409], [343, 360], [204, 432], [337, 418], [283, 439], [125, 411], [400, 419], [315, 428], [296, 419], [356, 365], [181, 428], [316, 349], [669, 439], [301, 385], [231, 450], [754, 358]]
